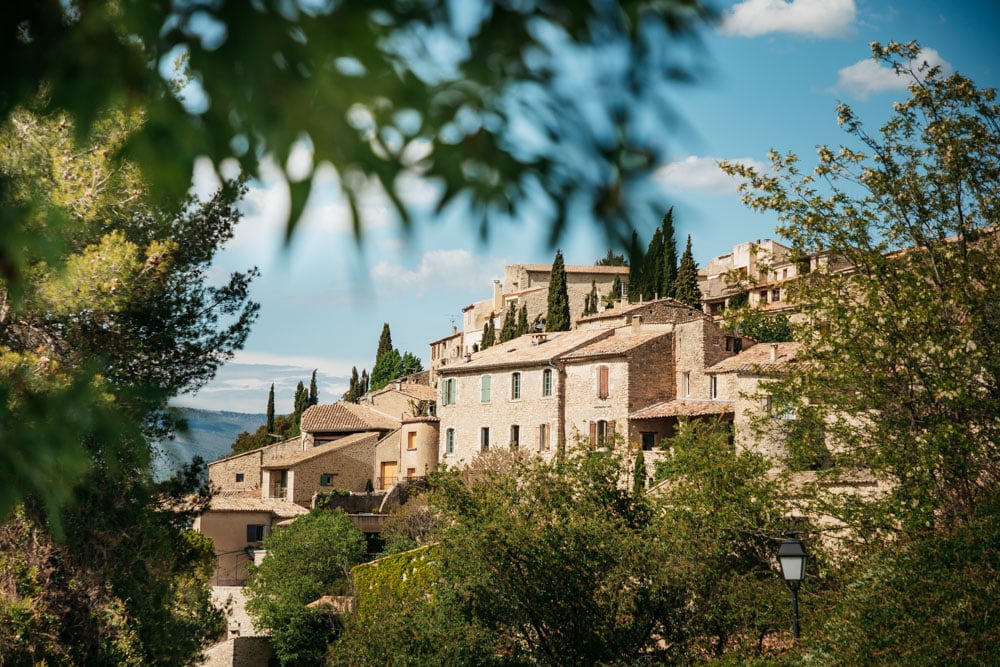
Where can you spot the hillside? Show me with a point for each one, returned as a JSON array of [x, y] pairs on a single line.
[[209, 435]]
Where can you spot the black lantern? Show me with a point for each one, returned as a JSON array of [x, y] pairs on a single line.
[[792, 558]]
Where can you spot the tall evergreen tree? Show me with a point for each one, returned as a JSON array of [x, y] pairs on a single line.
[[612, 259], [590, 303], [489, 333], [652, 273], [687, 290], [270, 410], [669, 261], [558, 317], [313, 390], [301, 401], [635, 269], [384, 342], [351, 395], [363, 387], [522, 320], [615, 293], [509, 329]]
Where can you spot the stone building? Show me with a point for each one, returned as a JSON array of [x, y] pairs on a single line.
[[540, 391], [523, 285]]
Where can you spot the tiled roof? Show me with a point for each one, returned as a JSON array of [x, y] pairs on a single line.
[[579, 268], [621, 342], [757, 359], [250, 501], [321, 450], [683, 408], [344, 417], [621, 309], [525, 351]]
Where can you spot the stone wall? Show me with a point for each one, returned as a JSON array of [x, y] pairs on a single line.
[[350, 465], [222, 473], [470, 413]]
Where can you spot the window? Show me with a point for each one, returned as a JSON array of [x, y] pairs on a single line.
[[713, 386], [602, 382], [763, 296], [484, 438], [686, 383], [766, 403], [515, 436], [601, 432], [484, 388], [776, 294], [411, 440], [255, 532], [239, 477], [326, 479], [543, 437], [547, 382], [411, 474], [449, 441], [648, 441], [515, 386], [448, 392]]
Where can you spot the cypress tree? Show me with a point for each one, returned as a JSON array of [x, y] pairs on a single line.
[[591, 304], [384, 341], [313, 390], [509, 329], [522, 320], [363, 387], [351, 395], [270, 410], [558, 317], [652, 270], [687, 291], [489, 334], [301, 401], [635, 269], [669, 279], [639, 473], [616, 291]]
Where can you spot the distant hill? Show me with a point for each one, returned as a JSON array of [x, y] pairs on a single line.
[[209, 435]]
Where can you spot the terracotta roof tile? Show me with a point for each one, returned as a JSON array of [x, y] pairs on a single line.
[[525, 351], [250, 501], [623, 341], [683, 408], [579, 268], [321, 450], [344, 417], [757, 359]]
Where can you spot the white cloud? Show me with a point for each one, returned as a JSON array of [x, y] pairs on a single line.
[[867, 77], [437, 269], [819, 18], [703, 174]]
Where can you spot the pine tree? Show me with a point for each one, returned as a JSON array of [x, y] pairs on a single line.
[[489, 334], [669, 260], [558, 317], [509, 329], [384, 342], [313, 390], [270, 410], [522, 320], [687, 290]]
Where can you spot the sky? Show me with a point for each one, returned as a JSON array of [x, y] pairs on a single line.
[[775, 73]]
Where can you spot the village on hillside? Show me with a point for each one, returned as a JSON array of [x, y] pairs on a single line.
[[625, 375]]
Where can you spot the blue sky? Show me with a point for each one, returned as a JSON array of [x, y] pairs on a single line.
[[775, 74]]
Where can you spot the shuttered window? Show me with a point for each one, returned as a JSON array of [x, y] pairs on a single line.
[[602, 382], [484, 388]]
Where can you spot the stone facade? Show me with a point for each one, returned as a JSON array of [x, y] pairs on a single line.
[[342, 464], [242, 472], [411, 452]]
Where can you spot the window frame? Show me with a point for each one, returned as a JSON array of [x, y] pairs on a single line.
[[713, 387], [515, 386], [547, 382], [328, 476], [240, 477], [256, 532], [449, 441], [485, 388], [515, 436], [484, 438], [411, 441]]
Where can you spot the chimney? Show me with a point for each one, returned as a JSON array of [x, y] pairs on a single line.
[[636, 323], [497, 297], [774, 351]]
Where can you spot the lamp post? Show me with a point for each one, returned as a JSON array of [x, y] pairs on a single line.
[[792, 558]]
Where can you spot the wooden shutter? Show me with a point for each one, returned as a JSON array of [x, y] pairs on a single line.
[[593, 433], [602, 382]]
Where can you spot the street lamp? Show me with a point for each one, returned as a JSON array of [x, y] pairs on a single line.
[[792, 558]]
